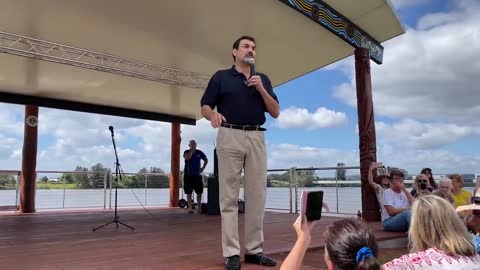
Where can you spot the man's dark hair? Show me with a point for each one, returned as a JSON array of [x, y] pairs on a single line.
[[236, 44], [396, 173]]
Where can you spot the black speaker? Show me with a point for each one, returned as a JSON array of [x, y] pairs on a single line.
[[241, 206], [213, 204], [215, 162]]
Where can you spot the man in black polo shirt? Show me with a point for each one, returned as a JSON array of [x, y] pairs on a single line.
[[192, 178], [241, 97]]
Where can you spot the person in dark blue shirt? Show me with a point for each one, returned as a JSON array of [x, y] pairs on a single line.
[[192, 177], [241, 98]]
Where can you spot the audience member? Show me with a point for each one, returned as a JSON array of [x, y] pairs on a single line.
[[445, 189], [349, 244], [421, 186], [438, 239], [460, 196], [428, 173], [396, 204], [381, 183], [473, 221]]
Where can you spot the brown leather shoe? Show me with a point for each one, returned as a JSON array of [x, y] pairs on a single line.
[[260, 259]]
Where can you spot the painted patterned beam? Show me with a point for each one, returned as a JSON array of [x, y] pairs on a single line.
[[339, 25]]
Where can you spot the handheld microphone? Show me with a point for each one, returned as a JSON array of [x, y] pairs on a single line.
[[111, 129], [251, 61]]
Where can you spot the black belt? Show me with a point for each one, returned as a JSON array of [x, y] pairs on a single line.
[[245, 127]]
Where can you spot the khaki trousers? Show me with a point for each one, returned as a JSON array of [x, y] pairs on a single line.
[[239, 149]]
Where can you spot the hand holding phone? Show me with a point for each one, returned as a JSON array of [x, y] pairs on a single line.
[[303, 227], [312, 204]]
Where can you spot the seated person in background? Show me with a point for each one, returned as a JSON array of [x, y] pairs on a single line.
[[421, 186], [431, 180], [438, 239], [473, 221], [460, 196], [445, 190], [396, 204], [349, 244], [384, 181]]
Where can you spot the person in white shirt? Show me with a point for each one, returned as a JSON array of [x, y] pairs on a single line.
[[397, 200]]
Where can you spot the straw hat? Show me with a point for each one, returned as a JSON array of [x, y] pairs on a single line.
[[474, 206]]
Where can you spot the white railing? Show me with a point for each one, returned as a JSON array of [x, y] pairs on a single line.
[[87, 189]]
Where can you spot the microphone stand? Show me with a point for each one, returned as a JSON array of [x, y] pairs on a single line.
[[117, 174]]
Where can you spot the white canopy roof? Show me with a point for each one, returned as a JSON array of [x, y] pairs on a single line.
[[190, 35]]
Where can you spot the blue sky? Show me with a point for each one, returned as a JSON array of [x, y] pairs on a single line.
[[426, 103]]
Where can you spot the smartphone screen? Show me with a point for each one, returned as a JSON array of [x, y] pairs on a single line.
[[314, 205], [381, 171]]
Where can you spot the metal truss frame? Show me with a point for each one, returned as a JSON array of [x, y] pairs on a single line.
[[68, 55]]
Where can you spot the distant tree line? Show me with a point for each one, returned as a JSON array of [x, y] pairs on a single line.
[[7, 182], [98, 177]]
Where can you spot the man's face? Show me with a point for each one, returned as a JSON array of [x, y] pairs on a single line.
[[397, 181], [445, 188], [192, 144], [246, 49], [422, 180]]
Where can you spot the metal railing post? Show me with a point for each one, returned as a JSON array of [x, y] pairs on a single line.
[[336, 187], [295, 179], [64, 190], [146, 188], [110, 187], [105, 185], [290, 182], [17, 186]]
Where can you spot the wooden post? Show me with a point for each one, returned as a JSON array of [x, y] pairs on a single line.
[[175, 165], [29, 160], [366, 127]]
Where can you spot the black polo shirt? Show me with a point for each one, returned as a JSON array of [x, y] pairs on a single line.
[[239, 103]]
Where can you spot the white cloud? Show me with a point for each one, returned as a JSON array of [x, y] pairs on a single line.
[[417, 135], [399, 4], [151, 146], [437, 19], [441, 161], [10, 116], [73, 138], [429, 74], [10, 147], [84, 140], [284, 156], [302, 118]]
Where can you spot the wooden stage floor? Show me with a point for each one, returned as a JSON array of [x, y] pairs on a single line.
[[168, 238]]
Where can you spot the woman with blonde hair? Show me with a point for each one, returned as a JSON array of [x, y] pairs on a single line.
[[438, 239]]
